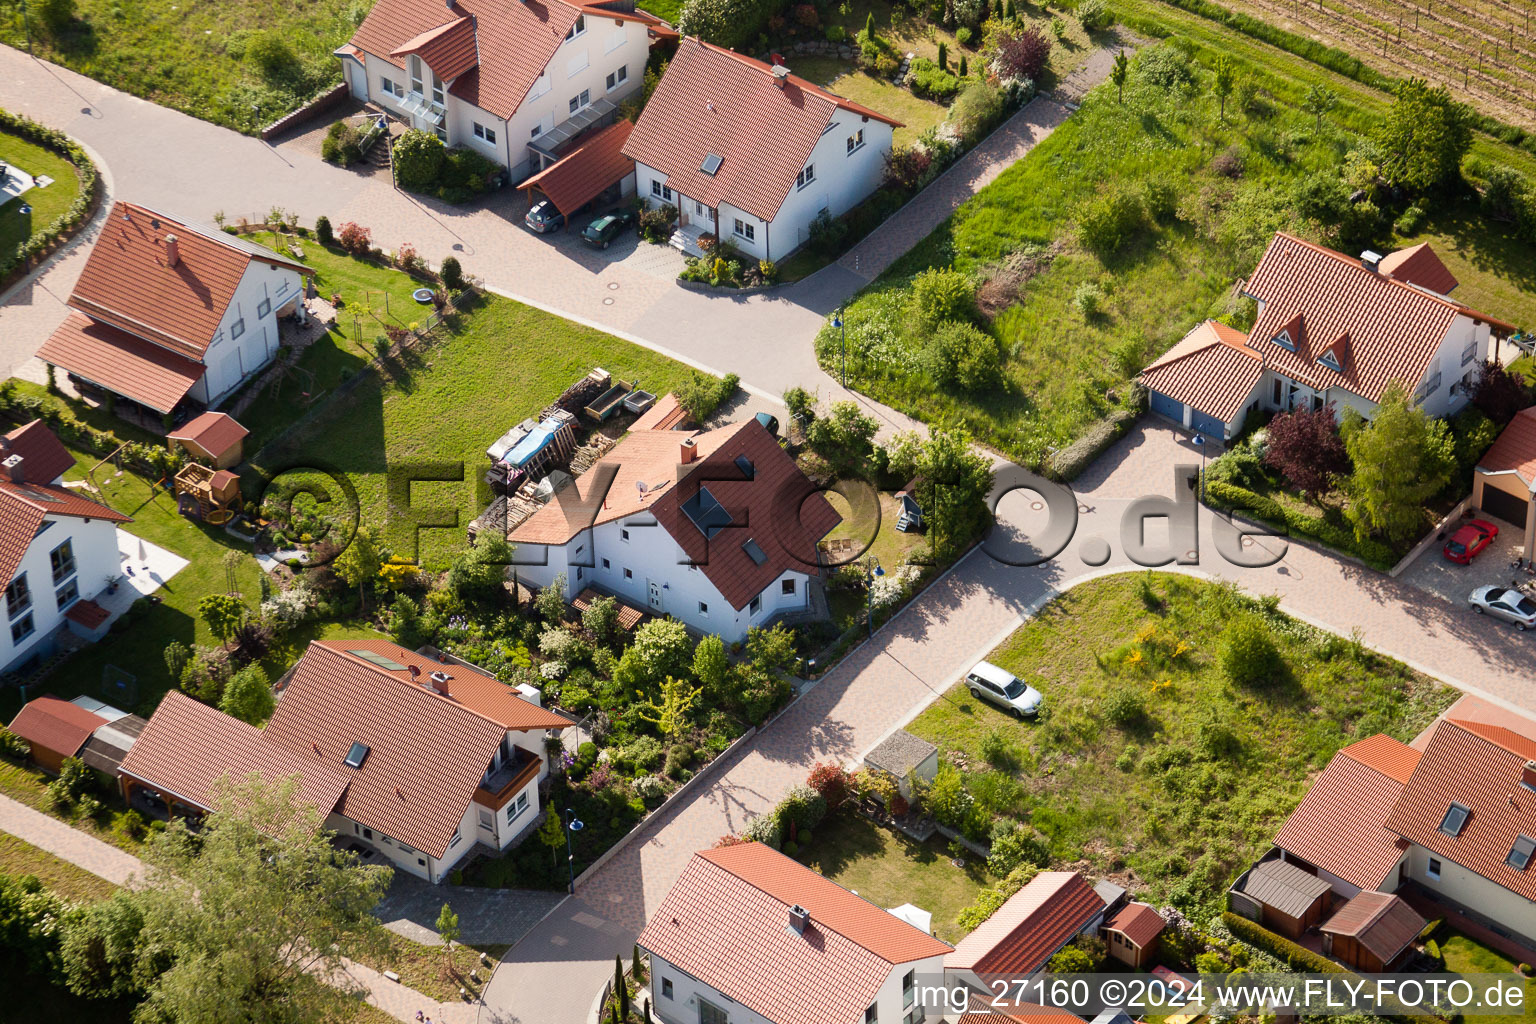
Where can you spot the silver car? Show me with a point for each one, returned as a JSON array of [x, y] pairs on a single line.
[[1503, 603], [1000, 687]]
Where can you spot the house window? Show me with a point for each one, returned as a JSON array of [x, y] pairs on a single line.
[[624, 536], [68, 594], [1427, 388], [1283, 339], [806, 176], [488, 821], [455, 840], [407, 849], [18, 596], [703, 608], [263, 308], [387, 85], [1455, 819], [756, 605], [415, 73], [872, 1015], [745, 230], [606, 565], [618, 78], [664, 192], [856, 140], [62, 558], [538, 130], [578, 572], [1520, 854], [540, 87], [666, 987], [908, 988], [1432, 870], [615, 39], [22, 628], [577, 64], [236, 329], [787, 587], [583, 99], [517, 807], [578, 28], [484, 133], [437, 90], [629, 574]]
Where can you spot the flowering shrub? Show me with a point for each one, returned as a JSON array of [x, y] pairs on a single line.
[[649, 787], [355, 238], [295, 604], [552, 670], [887, 590]]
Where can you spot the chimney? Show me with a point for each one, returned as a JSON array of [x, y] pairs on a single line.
[[440, 682], [13, 471], [1371, 261], [1527, 774], [780, 75], [172, 251], [690, 451], [799, 917]]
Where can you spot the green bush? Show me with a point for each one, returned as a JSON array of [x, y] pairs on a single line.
[[963, 36], [963, 355], [1095, 15], [763, 829], [270, 52], [976, 111], [1293, 956], [930, 81], [1297, 523], [702, 394], [1473, 433], [342, 144], [988, 900], [1089, 299], [1124, 705], [803, 806], [1247, 653], [728, 23], [1165, 67], [1014, 844], [418, 158], [1110, 220], [1410, 221], [836, 34], [939, 295], [323, 233], [1066, 463], [451, 273]]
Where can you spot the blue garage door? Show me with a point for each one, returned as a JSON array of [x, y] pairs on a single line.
[[1206, 424], [1165, 406]]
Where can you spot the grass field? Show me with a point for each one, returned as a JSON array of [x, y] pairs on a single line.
[[77, 884], [1464, 955], [1180, 797], [917, 115], [425, 968], [48, 203]]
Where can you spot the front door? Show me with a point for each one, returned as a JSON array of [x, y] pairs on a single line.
[[359, 76], [655, 594]]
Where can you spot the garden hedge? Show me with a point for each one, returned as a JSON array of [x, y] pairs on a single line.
[[1222, 495], [70, 220], [1297, 958], [1069, 462]]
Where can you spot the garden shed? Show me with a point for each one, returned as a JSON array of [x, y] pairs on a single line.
[[903, 755], [1372, 932], [55, 729], [1132, 935], [1282, 897], [214, 438]]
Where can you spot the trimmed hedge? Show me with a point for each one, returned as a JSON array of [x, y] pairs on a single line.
[[1297, 958], [1230, 497], [70, 220], [1070, 461]]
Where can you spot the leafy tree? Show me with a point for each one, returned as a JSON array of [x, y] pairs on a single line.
[[1074, 959], [1402, 458], [1119, 74], [710, 665], [962, 355], [869, 25], [176, 657], [223, 613], [662, 648], [248, 695], [254, 911], [832, 781], [601, 617], [1247, 654], [360, 563], [1305, 447], [1499, 393], [670, 713], [953, 482], [800, 402], [550, 600], [844, 438], [1424, 136], [1022, 53], [405, 622], [99, 948], [29, 915], [947, 798], [480, 573], [1319, 101], [448, 931], [552, 833], [451, 273], [620, 991], [943, 58], [323, 233], [418, 158], [1223, 82]]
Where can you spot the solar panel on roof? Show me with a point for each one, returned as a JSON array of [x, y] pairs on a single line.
[[379, 660], [711, 163]]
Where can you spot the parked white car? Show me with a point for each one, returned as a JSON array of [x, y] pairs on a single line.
[[1000, 687], [1503, 603]]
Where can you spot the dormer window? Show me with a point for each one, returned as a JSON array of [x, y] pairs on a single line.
[[578, 28], [1285, 341], [1331, 361]]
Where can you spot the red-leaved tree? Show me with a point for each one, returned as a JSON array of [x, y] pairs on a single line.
[[1306, 449], [1022, 53], [1499, 393], [831, 781]]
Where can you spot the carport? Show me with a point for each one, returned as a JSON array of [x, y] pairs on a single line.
[[586, 172], [1506, 477]]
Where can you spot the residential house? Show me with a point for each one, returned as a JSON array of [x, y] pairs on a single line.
[[716, 528], [1034, 924], [1132, 933], [1331, 330], [171, 315], [58, 549], [411, 756], [1504, 485], [747, 935], [751, 152], [517, 82]]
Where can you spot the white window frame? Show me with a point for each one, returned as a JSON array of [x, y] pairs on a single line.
[[581, 101], [67, 593], [413, 66], [806, 176], [484, 134], [856, 142], [387, 86], [23, 628], [438, 96], [704, 609], [263, 308], [1432, 869], [744, 230], [616, 38], [755, 605], [236, 328], [617, 77], [517, 807], [664, 193], [578, 29]]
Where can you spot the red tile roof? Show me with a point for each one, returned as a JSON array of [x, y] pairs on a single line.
[[87, 613], [427, 753], [24, 506], [213, 432], [1379, 921], [1339, 826], [582, 174], [666, 414], [712, 100], [1211, 368], [1419, 265], [52, 724], [1479, 767], [114, 359], [43, 456], [726, 922], [1394, 329], [1515, 449], [1138, 922], [1020, 1013], [188, 747], [449, 50], [1031, 927], [128, 283]]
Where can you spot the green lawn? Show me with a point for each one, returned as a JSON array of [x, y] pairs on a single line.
[[48, 203], [1191, 791], [1465, 955], [436, 412], [666, 10], [840, 76], [425, 968], [193, 57], [889, 869], [890, 545], [72, 883]]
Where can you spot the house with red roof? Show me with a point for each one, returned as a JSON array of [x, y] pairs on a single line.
[[749, 935], [752, 152], [58, 548], [1022, 935], [413, 757], [1332, 330], [716, 528], [173, 316], [518, 82], [1504, 484]]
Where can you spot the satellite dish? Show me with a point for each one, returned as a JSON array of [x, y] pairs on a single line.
[[640, 486]]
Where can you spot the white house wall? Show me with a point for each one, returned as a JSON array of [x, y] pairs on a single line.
[[1516, 913], [404, 857], [1461, 353], [96, 558], [231, 361]]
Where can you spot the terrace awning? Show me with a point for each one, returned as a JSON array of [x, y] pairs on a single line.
[[551, 142]]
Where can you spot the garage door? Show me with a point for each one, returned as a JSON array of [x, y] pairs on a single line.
[[1503, 505], [1206, 424], [1165, 406]]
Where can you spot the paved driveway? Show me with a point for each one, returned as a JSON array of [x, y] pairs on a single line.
[[486, 916], [1433, 573]]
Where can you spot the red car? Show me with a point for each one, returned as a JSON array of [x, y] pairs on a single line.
[[1469, 541]]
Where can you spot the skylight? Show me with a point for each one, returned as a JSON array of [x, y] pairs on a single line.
[[711, 163], [357, 755], [1520, 854], [706, 513], [1455, 820], [745, 465], [754, 552], [380, 660]]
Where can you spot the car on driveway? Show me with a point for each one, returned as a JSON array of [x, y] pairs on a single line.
[[1004, 689], [1469, 540], [544, 218], [1503, 603], [606, 228]]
